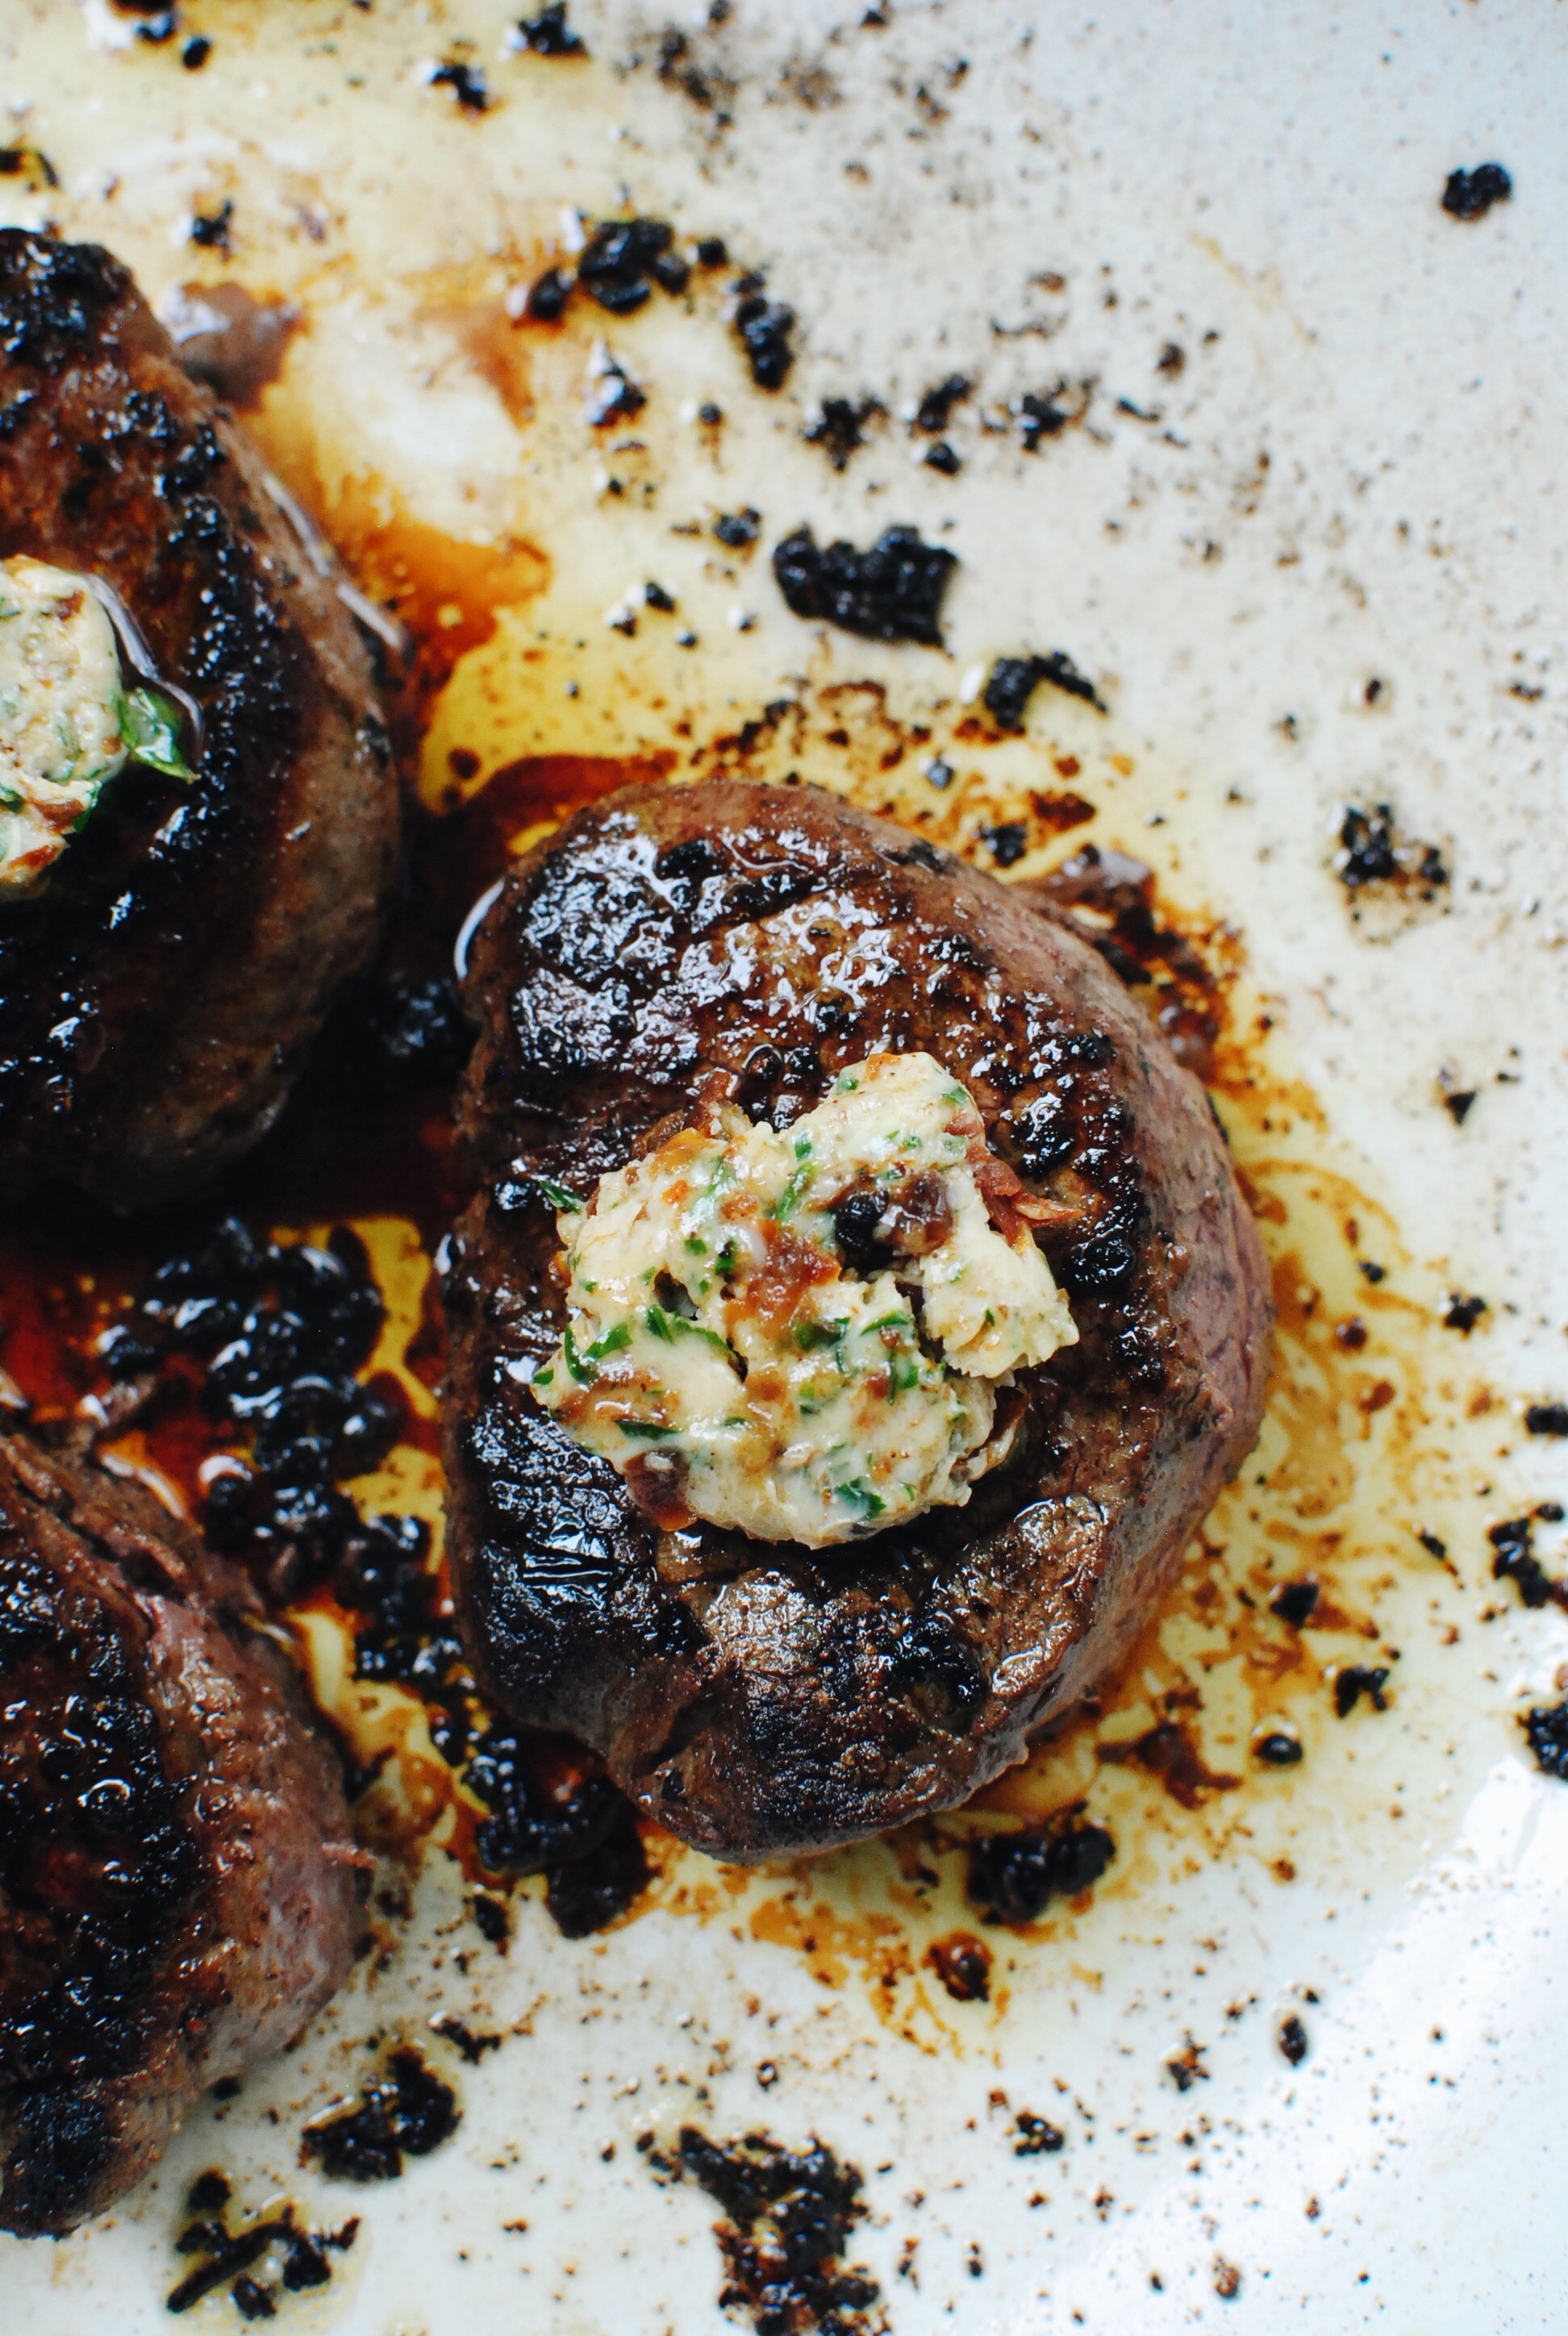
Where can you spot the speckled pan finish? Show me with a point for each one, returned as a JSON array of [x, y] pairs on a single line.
[[1355, 476]]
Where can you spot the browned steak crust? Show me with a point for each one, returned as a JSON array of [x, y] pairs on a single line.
[[758, 1699], [179, 1887], [156, 998]]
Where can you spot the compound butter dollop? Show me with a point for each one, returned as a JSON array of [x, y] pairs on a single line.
[[67, 723], [803, 1335]]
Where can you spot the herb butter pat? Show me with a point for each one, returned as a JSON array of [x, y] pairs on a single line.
[[806, 1336], [67, 722]]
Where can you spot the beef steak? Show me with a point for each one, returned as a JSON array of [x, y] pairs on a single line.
[[749, 942], [179, 1887], [157, 996]]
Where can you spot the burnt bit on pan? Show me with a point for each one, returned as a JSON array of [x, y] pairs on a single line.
[[1546, 1728], [1514, 1560], [548, 35], [892, 592], [963, 1964], [1376, 862], [1013, 1876], [1470, 194], [299, 2259], [788, 2215], [406, 2112], [553, 1811], [1013, 681], [262, 1342], [838, 426], [765, 327]]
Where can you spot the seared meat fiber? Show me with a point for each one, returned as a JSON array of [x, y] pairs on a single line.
[[156, 995], [748, 941], [178, 1887]]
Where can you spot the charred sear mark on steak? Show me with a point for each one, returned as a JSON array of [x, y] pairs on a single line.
[[178, 1891], [747, 943], [157, 997]]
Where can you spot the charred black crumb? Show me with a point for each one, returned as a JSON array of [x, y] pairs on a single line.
[[893, 592], [575, 1828], [788, 2217], [621, 257], [1546, 1419], [587, 1893], [208, 2192], [1046, 413], [1012, 1876], [838, 426], [491, 1919], [1470, 194], [712, 251], [937, 405], [942, 457], [1295, 1602], [1186, 2068], [1546, 1728], [655, 596], [457, 2031], [1036, 2136], [1374, 1273], [1278, 1745], [964, 1967], [227, 2089], [1007, 842], [210, 230], [1354, 1680], [765, 327], [1460, 1313], [1373, 852], [1514, 1560], [466, 83], [196, 51], [549, 34], [407, 2112], [1457, 1101], [230, 2255], [157, 25], [737, 530], [1551, 1512], [1291, 2039], [548, 295], [305, 2264], [1012, 682], [613, 395], [1430, 1542]]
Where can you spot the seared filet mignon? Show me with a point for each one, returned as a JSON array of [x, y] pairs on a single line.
[[749, 942], [178, 1887], [156, 995]]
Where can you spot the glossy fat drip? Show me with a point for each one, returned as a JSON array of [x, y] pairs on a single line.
[[67, 724], [803, 1336]]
